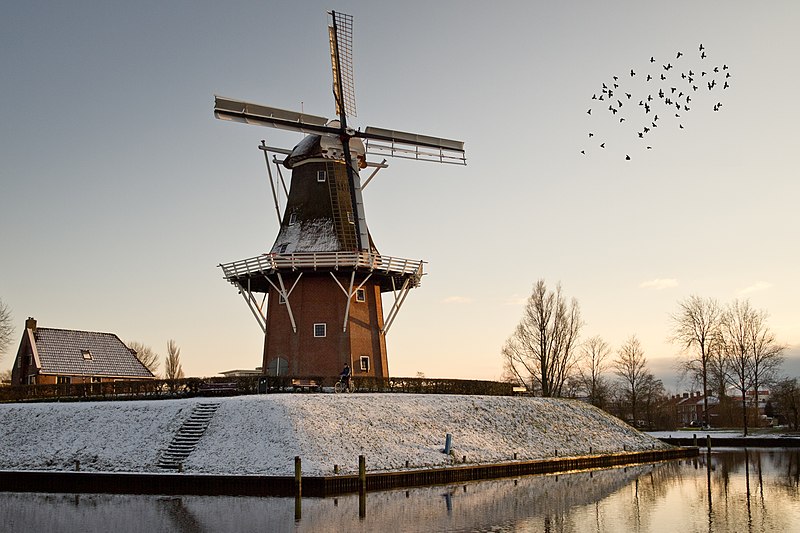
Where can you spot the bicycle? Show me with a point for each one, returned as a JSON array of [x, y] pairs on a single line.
[[343, 386]]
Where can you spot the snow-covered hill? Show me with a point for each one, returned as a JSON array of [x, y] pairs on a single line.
[[262, 434]]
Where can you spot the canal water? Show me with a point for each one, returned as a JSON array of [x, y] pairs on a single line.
[[733, 490]]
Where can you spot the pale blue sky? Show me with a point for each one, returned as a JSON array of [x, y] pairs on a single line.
[[121, 193]]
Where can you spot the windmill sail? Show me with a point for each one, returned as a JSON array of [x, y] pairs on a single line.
[[340, 36], [261, 115], [384, 142]]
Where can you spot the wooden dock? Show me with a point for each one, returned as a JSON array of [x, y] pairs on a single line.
[[317, 486]]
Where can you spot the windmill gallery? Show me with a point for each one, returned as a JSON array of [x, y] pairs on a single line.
[[318, 293]]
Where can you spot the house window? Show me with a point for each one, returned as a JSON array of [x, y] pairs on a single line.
[[321, 176], [95, 380], [320, 329], [364, 360], [87, 355], [292, 218], [32, 380], [63, 380], [361, 295]]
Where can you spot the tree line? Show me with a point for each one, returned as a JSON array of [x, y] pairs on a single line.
[[723, 348]]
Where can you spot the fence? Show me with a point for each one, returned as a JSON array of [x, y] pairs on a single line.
[[188, 387]]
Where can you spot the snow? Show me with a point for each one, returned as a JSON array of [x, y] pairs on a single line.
[[317, 235], [261, 434]]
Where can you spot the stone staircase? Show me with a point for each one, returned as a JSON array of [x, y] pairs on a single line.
[[188, 435]]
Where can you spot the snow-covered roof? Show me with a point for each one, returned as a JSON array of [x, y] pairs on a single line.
[[87, 353]]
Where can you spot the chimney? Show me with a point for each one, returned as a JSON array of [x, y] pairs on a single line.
[[31, 324]]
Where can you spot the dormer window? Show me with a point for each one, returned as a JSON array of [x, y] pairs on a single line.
[[87, 355]]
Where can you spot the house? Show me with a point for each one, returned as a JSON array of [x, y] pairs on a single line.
[[689, 409], [48, 356]]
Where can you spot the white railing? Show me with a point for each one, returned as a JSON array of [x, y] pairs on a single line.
[[322, 260]]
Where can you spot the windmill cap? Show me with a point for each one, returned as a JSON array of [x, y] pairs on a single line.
[[327, 147]]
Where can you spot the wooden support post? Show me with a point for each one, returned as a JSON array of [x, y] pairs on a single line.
[[708, 443], [298, 476], [362, 473], [362, 487], [694, 437]]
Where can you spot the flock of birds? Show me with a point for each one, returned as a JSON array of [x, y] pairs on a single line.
[[662, 94]]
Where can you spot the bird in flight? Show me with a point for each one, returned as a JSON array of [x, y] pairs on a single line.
[[670, 99]]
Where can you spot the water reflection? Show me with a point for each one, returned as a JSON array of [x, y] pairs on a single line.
[[733, 490]]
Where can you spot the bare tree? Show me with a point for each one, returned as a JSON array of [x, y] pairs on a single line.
[[696, 327], [593, 363], [542, 350], [145, 355], [766, 353], [6, 328], [631, 367], [653, 398], [736, 324], [786, 398], [172, 361]]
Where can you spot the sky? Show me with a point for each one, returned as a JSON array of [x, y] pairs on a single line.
[[121, 193]]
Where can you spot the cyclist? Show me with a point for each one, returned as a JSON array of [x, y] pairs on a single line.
[[345, 376]]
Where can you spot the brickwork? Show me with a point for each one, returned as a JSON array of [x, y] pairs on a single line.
[[317, 299]]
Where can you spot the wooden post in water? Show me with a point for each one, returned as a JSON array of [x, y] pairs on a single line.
[[298, 489], [362, 486], [362, 473], [298, 476]]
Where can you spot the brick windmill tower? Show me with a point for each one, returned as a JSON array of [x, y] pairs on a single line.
[[318, 293]]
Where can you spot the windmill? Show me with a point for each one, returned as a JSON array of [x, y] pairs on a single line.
[[317, 294]]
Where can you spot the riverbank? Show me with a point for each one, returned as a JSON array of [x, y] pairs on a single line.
[[725, 438], [262, 434]]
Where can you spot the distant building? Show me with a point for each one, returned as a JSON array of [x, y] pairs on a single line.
[[689, 408], [52, 356], [242, 373]]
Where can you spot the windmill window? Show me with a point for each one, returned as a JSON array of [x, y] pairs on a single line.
[[281, 299], [350, 217], [364, 360], [87, 355], [321, 176], [292, 218], [282, 248], [361, 295], [320, 329]]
